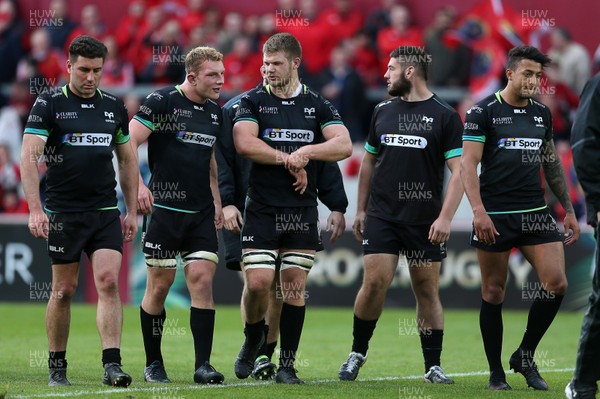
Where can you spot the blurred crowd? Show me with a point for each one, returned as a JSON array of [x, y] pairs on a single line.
[[345, 55]]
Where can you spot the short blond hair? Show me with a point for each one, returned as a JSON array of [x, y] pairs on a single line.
[[197, 56]]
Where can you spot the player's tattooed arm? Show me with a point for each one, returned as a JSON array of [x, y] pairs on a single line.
[[555, 175]]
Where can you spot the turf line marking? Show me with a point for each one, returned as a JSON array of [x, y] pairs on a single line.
[[247, 384]]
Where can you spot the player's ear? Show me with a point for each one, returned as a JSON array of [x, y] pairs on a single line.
[[191, 78]]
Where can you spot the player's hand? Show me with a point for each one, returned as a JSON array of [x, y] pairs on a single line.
[[571, 229], [145, 200], [130, 227], [38, 224], [232, 219], [301, 180], [336, 223], [296, 160], [484, 228], [359, 226], [218, 216], [439, 231]]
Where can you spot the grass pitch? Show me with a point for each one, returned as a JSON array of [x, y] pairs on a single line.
[[394, 368]]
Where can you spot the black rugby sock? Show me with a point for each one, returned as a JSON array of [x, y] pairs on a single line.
[[202, 322], [541, 314], [490, 323], [290, 325], [362, 332], [152, 329], [431, 345]]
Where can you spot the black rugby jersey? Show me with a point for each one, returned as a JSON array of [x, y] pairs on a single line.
[[412, 140], [180, 148], [80, 135], [285, 124], [510, 179]]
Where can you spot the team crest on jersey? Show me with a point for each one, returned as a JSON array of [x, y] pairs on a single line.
[[268, 110], [215, 119], [309, 113], [110, 117], [539, 121]]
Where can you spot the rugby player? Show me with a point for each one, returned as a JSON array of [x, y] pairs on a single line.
[[510, 134], [76, 129], [400, 210], [182, 124], [234, 172], [586, 153], [282, 128]]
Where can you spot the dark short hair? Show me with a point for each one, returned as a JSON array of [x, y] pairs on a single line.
[[88, 47], [516, 54], [283, 42], [413, 56]]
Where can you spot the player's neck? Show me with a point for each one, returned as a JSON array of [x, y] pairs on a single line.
[[189, 93], [419, 92], [288, 90], [511, 98]]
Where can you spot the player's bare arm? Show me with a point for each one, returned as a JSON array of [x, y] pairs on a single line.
[[247, 144], [440, 229], [214, 188], [128, 173], [31, 151], [365, 176], [483, 225], [337, 146], [555, 176], [140, 133]]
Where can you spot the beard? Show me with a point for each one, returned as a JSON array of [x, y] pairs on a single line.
[[401, 87]]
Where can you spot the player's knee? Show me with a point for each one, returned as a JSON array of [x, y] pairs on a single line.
[[258, 284], [558, 287], [160, 290], [64, 291], [493, 293], [200, 279], [375, 285], [107, 282]]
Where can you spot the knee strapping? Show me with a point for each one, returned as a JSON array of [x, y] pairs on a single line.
[[297, 259], [259, 259]]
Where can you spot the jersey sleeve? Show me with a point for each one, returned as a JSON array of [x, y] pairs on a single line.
[[225, 154], [247, 111], [330, 187], [451, 140], [549, 126], [372, 144], [149, 113], [40, 118], [328, 114], [475, 128], [122, 133]]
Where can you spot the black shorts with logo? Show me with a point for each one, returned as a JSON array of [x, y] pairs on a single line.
[[170, 232], [70, 233], [269, 227], [518, 229], [383, 236]]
